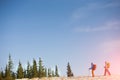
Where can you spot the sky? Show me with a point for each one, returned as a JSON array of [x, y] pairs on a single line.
[[61, 31]]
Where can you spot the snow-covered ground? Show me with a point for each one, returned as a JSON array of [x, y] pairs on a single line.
[[113, 77]]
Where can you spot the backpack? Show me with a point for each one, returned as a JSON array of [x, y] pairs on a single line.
[[108, 65], [94, 67]]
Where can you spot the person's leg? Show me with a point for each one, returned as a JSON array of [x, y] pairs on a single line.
[[108, 72], [105, 72], [93, 73]]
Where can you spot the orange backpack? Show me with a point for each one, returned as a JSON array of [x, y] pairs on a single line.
[[94, 67], [108, 65]]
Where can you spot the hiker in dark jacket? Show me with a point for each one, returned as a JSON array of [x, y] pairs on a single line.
[[92, 68]]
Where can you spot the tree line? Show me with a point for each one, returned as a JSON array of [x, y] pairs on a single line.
[[32, 71]]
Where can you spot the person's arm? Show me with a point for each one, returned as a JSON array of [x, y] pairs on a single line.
[[91, 67], [105, 66]]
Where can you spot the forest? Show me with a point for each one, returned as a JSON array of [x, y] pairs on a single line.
[[31, 71]]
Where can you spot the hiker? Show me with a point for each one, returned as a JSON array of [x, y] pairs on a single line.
[[107, 66], [92, 68]]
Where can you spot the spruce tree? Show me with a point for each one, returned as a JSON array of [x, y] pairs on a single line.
[[69, 71], [10, 64], [56, 71], [49, 72], [35, 74], [13, 75], [53, 74], [7, 74], [2, 74], [25, 73], [43, 72], [28, 70], [31, 72], [41, 69], [8, 69], [20, 73], [1, 78], [45, 75]]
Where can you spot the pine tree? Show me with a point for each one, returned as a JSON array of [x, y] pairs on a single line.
[[25, 73], [49, 72], [2, 74], [10, 65], [1, 78], [43, 72], [69, 71], [28, 70], [8, 69], [45, 75], [20, 73], [7, 74], [41, 69], [56, 71], [13, 75], [31, 72], [53, 74], [35, 74]]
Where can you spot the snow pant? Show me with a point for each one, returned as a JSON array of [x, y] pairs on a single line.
[[106, 71], [93, 73]]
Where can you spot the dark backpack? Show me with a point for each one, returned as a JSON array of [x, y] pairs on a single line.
[[94, 67]]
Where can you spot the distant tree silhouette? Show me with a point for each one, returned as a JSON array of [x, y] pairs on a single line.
[[1, 78], [35, 74], [10, 64], [20, 73], [8, 69], [28, 70], [53, 74], [49, 72], [41, 71], [45, 72], [69, 71], [2, 74], [25, 73], [31, 72], [56, 71], [13, 75]]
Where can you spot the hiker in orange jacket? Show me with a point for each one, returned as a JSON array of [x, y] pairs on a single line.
[[107, 66], [92, 68]]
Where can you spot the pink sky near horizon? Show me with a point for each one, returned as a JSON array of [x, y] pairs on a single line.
[[112, 49]]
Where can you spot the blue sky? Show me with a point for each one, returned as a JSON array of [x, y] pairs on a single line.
[[61, 31]]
